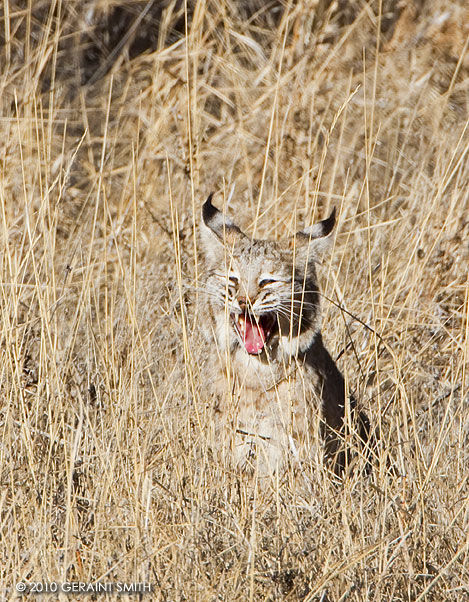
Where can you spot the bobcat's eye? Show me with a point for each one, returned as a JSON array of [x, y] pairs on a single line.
[[232, 284], [266, 282]]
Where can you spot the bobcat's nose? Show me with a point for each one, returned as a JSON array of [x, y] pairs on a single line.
[[243, 303]]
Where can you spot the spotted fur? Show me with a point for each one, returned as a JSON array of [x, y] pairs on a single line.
[[276, 383]]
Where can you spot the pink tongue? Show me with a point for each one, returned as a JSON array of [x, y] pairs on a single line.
[[253, 337]]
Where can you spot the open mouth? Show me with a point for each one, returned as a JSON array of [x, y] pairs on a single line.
[[255, 332]]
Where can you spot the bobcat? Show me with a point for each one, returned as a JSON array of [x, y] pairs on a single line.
[[274, 377]]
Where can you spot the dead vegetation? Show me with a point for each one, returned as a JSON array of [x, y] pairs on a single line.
[[115, 127]]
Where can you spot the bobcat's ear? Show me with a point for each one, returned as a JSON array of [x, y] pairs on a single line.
[[316, 239], [218, 223], [321, 229]]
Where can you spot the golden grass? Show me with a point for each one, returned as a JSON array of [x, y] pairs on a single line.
[[106, 467]]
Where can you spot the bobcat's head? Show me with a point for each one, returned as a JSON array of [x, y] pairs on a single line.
[[263, 295]]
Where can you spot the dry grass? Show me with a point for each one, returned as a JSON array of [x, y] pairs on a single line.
[[106, 467]]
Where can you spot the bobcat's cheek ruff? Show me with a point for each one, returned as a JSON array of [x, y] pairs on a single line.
[[255, 332]]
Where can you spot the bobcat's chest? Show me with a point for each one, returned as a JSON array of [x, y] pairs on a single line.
[[268, 417]]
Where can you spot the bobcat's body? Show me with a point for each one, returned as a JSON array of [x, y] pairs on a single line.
[[275, 380]]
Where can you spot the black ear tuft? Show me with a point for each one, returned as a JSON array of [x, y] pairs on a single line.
[[208, 210], [328, 224], [220, 224], [319, 230]]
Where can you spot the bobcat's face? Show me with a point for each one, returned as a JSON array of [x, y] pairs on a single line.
[[260, 297], [262, 294], [257, 298]]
